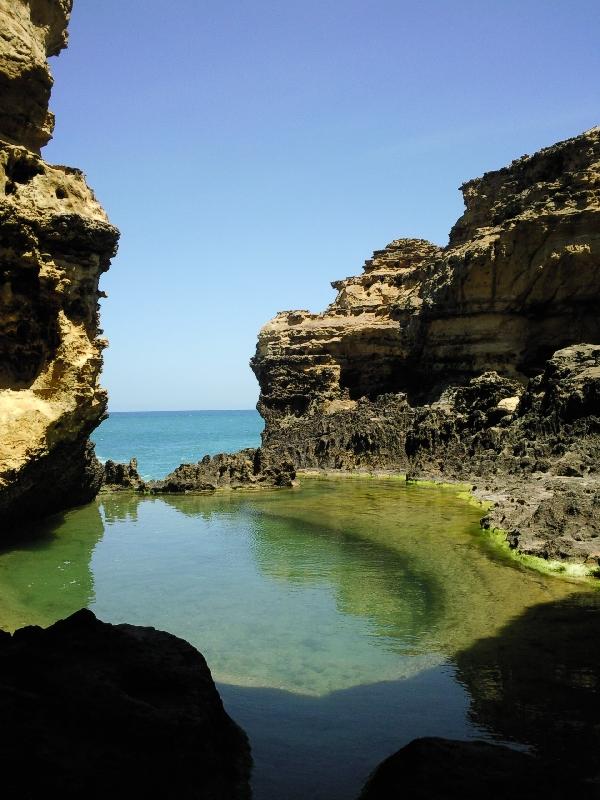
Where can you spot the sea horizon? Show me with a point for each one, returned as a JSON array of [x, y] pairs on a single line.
[[181, 411]]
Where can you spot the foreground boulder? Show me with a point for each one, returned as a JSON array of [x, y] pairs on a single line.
[[95, 710], [444, 769], [55, 243]]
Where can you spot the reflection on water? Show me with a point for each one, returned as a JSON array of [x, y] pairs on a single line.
[[339, 607], [538, 682], [49, 576]]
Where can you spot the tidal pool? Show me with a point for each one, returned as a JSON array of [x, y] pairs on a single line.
[[332, 615]]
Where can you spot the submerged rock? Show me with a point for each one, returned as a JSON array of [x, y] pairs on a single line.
[[55, 242], [444, 769], [97, 710]]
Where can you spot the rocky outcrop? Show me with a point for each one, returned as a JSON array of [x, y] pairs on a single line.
[[475, 362], [534, 452], [32, 30], [55, 242], [445, 769], [250, 468], [98, 710]]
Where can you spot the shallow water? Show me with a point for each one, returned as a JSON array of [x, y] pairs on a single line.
[[331, 614]]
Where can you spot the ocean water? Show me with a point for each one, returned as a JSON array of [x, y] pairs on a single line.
[[162, 440]]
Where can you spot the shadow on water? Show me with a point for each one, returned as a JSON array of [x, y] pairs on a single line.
[[538, 682], [47, 576], [324, 748]]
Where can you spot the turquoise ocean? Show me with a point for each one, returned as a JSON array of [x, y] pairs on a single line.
[[162, 440]]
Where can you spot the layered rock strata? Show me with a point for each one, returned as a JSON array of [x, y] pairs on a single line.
[[55, 242], [98, 710], [450, 362]]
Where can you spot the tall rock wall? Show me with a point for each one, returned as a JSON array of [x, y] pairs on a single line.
[[447, 362], [55, 242], [519, 279]]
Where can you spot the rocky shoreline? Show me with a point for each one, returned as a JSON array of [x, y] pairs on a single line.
[[475, 363], [530, 452], [478, 362]]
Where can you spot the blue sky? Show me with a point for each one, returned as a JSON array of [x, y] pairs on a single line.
[[251, 152]]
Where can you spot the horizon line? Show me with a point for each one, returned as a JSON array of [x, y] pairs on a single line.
[[174, 410]]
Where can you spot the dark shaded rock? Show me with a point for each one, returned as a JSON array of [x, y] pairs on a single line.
[[70, 475], [253, 467], [97, 710], [122, 476], [445, 769], [439, 361]]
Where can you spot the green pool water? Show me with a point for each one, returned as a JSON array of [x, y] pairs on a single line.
[[331, 614]]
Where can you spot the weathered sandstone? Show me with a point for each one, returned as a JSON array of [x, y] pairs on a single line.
[[473, 362], [55, 242], [98, 710]]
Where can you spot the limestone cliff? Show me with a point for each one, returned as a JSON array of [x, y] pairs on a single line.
[[436, 360], [55, 242], [519, 278]]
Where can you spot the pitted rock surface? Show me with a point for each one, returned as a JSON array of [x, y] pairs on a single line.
[[55, 242]]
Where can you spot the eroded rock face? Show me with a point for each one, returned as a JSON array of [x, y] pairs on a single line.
[[32, 30], [55, 242], [445, 769], [97, 710], [250, 468], [475, 362], [519, 279], [533, 452]]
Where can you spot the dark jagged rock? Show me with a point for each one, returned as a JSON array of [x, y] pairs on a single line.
[[534, 452], [97, 710], [248, 468], [444, 769], [537, 682]]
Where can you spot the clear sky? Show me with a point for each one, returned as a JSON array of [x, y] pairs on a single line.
[[251, 151]]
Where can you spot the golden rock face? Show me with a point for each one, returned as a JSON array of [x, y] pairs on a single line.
[[519, 279], [32, 30], [55, 242]]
